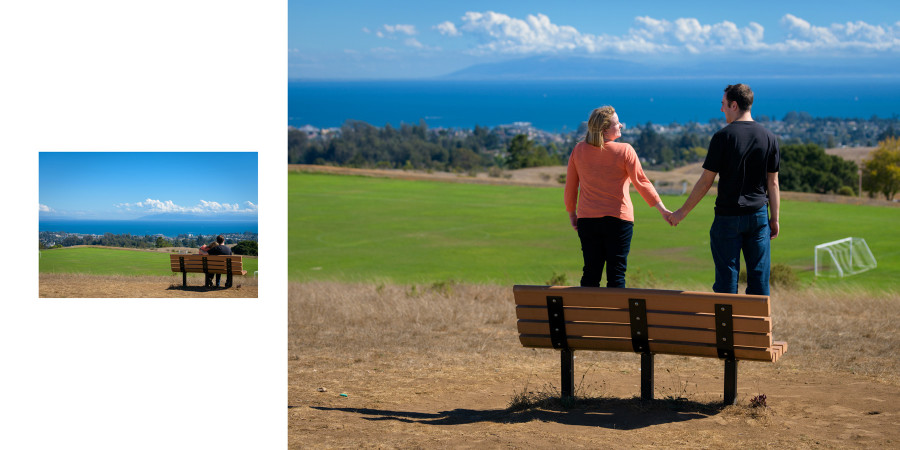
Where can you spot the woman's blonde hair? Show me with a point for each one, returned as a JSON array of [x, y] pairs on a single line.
[[598, 124]]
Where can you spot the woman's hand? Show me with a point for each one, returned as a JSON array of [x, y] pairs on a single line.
[[573, 219]]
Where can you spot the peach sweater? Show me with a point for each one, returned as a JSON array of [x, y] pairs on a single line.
[[597, 181]]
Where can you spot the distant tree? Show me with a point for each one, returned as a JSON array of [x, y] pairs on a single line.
[[524, 152], [807, 168], [881, 171], [162, 242], [250, 248]]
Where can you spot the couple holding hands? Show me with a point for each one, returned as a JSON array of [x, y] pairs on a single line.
[[743, 154]]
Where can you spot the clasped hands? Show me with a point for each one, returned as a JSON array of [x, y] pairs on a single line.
[[672, 217]]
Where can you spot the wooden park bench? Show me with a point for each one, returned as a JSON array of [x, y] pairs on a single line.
[[207, 264], [731, 327]]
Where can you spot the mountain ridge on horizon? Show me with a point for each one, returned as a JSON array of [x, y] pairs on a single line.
[[582, 67]]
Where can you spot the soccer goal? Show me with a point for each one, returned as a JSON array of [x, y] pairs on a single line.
[[844, 257]]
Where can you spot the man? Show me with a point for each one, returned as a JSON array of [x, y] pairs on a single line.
[[219, 249], [745, 156]]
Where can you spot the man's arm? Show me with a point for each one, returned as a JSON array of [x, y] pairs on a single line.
[[774, 203], [700, 189]]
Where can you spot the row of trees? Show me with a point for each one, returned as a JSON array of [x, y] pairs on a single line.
[[359, 144], [247, 244], [805, 166]]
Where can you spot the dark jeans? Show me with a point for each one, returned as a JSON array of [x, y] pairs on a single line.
[[209, 278], [731, 235], [605, 241]]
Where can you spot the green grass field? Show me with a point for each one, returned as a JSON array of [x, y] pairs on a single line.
[[106, 261], [348, 228]]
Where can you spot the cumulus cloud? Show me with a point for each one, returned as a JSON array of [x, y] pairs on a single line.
[[500, 33], [447, 28], [858, 35], [152, 206], [390, 31], [45, 208]]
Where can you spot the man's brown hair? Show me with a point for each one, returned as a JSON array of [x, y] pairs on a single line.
[[740, 93]]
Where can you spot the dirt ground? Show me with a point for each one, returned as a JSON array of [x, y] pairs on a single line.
[[64, 285], [442, 367]]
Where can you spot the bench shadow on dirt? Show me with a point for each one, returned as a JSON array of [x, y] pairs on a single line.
[[179, 287], [612, 413]]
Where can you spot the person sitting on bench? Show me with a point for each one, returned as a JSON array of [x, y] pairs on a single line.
[[219, 248]]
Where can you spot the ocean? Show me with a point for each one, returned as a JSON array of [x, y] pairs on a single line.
[[563, 105], [148, 227]]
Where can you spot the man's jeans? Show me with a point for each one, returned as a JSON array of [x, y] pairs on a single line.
[[605, 240], [730, 235]]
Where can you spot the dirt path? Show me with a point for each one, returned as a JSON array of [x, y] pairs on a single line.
[[436, 410], [66, 285]]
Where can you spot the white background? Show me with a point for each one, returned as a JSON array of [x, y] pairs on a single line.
[[114, 75]]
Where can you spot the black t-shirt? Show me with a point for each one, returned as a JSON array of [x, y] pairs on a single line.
[[743, 154], [220, 250]]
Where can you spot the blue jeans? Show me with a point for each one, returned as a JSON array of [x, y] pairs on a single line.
[[728, 236], [605, 241]]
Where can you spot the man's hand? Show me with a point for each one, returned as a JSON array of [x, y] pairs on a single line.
[[773, 229], [677, 217]]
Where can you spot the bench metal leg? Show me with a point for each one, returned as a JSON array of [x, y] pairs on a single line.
[[567, 363], [183, 279], [731, 370], [646, 376]]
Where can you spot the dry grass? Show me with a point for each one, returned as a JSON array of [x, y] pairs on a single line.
[[840, 331], [77, 285], [446, 321]]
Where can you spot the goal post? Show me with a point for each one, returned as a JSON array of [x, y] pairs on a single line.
[[843, 257]]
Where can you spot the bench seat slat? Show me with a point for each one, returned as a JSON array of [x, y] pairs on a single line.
[[662, 318], [234, 266], [219, 271], [673, 348], [682, 301], [174, 257], [588, 329]]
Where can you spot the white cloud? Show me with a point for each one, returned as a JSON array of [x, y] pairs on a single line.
[[390, 31], [447, 29], [45, 208], [158, 206], [500, 33]]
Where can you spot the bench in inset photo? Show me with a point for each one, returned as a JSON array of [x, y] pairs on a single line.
[[207, 264]]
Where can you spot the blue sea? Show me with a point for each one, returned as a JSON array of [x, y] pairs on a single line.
[[563, 105], [148, 227]]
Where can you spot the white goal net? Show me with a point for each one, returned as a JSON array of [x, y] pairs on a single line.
[[843, 257]]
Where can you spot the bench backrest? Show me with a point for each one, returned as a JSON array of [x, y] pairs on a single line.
[[214, 263], [672, 322]]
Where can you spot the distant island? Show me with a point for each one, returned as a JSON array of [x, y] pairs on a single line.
[[200, 217], [595, 68]]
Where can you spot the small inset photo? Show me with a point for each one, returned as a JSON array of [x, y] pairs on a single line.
[[148, 224]]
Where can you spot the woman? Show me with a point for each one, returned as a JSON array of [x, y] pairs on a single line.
[[597, 198]]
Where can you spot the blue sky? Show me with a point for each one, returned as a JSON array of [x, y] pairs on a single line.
[[127, 185], [413, 39]]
